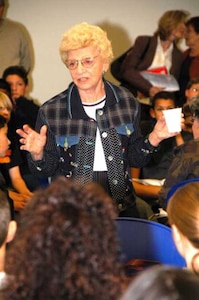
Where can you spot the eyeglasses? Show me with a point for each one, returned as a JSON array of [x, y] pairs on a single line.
[[86, 62]]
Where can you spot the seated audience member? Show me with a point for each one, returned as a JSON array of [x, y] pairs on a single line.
[[185, 164], [66, 246], [190, 64], [192, 91], [10, 163], [4, 145], [183, 216], [163, 283], [7, 233], [25, 112], [158, 166], [153, 52]]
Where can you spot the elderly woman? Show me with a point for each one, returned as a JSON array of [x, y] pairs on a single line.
[[91, 130]]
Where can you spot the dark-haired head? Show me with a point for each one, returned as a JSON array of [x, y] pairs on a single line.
[[16, 70], [69, 243]]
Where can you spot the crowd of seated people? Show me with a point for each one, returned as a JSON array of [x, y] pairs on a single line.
[[66, 245]]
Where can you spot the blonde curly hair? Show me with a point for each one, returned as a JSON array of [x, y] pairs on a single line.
[[84, 35]]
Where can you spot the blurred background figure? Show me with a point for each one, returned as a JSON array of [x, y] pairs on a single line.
[[25, 111], [157, 52], [163, 283], [7, 232], [66, 246], [15, 42], [190, 65], [183, 215]]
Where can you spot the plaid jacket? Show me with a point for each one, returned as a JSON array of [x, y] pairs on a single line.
[[71, 138]]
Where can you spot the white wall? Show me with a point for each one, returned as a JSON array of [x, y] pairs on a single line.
[[47, 20]]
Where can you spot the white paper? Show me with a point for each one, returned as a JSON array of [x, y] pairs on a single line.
[[150, 181], [168, 82]]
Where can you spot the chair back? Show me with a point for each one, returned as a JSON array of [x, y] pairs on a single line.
[[147, 240]]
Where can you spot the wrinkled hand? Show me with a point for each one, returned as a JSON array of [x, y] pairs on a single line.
[[19, 200], [160, 131], [33, 141]]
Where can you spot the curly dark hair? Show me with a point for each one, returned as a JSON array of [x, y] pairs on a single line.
[[66, 246]]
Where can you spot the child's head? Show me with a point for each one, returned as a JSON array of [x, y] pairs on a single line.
[[5, 106], [17, 78], [162, 101], [4, 141]]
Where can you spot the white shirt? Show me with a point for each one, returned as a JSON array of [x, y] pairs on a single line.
[[99, 157]]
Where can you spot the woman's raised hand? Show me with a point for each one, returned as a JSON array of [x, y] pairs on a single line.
[[32, 141]]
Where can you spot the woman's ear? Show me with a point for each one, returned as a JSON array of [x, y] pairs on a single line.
[[12, 228]]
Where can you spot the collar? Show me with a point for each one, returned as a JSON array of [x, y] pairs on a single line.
[[74, 104]]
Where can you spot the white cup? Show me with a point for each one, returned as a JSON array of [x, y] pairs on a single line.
[[173, 119]]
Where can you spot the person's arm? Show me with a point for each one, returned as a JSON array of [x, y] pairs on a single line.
[[17, 181], [141, 190], [136, 61], [19, 200]]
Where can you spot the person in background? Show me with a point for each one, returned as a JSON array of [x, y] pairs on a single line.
[[190, 65], [73, 249], [158, 166], [192, 91], [7, 232], [10, 163], [15, 43], [24, 112], [160, 51], [4, 145], [163, 283], [185, 164], [183, 216], [91, 130]]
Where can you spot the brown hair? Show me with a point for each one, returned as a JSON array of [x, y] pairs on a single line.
[[183, 212], [169, 21]]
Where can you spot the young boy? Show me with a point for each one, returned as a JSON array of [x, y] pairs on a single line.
[[161, 160]]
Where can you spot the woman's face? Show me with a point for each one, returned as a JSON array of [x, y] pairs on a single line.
[[4, 141], [191, 36], [88, 67], [178, 32]]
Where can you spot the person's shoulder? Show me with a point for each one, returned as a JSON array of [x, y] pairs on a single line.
[[121, 91], [189, 148], [55, 100], [144, 38]]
